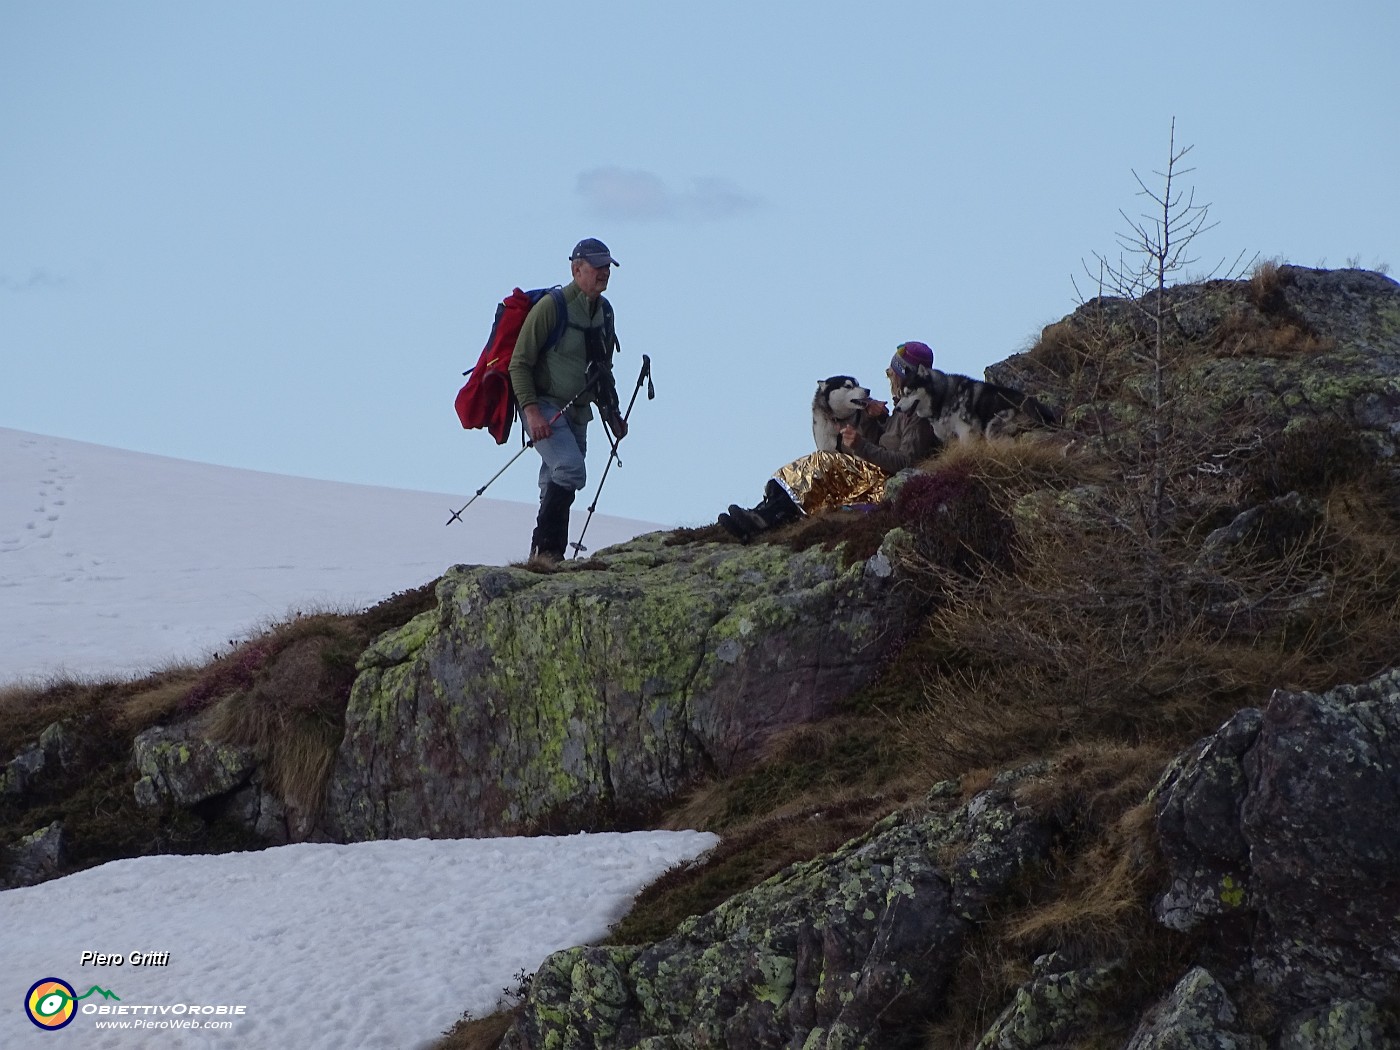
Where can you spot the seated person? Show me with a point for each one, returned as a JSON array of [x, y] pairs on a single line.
[[884, 444]]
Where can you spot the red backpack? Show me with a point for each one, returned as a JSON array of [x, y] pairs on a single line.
[[487, 399]]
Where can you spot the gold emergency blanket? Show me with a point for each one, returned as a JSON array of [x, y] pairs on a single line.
[[825, 480]]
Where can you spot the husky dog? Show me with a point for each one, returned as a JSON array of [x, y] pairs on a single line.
[[964, 408], [838, 401]]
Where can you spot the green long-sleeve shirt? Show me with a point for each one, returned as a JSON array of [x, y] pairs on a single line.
[[560, 372]]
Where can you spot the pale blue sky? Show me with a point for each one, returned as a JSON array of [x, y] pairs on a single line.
[[272, 235]]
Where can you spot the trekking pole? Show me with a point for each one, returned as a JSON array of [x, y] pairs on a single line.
[[457, 514], [645, 374]]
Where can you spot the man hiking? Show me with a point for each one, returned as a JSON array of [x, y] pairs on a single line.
[[554, 387]]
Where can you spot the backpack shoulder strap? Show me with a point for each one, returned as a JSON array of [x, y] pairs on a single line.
[[561, 319], [610, 327]]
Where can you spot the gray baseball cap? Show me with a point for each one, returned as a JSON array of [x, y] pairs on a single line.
[[594, 252]]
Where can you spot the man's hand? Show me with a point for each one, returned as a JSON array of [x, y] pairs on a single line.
[[877, 409], [618, 426], [536, 424], [849, 436]]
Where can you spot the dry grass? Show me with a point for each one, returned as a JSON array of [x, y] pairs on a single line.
[[291, 714], [478, 1033], [1265, 288], [26, 709], [1091, 903], [1096, 792], [808, 768], [1264, 325], [156, 701], [1033, 461]]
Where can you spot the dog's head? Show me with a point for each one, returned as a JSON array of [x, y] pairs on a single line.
[[841, 396], [923, 391]]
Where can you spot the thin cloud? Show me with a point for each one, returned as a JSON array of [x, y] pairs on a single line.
[[37, 280], [619, 193]]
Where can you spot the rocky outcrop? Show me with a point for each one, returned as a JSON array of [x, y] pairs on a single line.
[[1302, 344], [35, 858], [44, 764], [1198, 1015], [846, 950], [1058, 1000], [576, 698], [178, 766], [1279, 836]]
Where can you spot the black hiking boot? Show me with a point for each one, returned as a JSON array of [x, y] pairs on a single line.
[[551, 535], [777, 508]]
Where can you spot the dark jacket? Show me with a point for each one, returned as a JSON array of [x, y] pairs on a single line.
[[907, 438]]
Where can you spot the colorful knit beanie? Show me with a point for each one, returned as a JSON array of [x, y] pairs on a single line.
[[909, 356]]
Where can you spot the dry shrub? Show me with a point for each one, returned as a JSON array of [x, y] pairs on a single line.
[[27, 708], [1064, 348], [1076, 347], [1104, 632], [229, 674], [955, 523], [1246, 335], [1037, 459], [858, 532], [1312, 458], [284, 692], [1265, 288], [1096, 636], [712, 533]]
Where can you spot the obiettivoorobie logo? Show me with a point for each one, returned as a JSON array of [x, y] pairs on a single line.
[[51, 1003]]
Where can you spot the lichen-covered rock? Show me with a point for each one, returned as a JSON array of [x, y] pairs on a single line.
[[1198, 1015], [1345, 1025], [35, 858], [838, 952], [1320, 819], [567, 699], [1199, 801], [43, 762], [1286, 819], [179, 766], [1056, 1000], [1318, 344]]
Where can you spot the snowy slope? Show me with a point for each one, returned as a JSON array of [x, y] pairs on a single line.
[[115, 562]]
